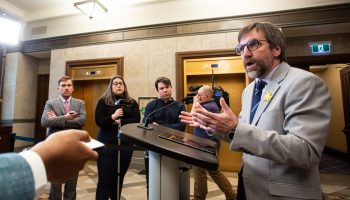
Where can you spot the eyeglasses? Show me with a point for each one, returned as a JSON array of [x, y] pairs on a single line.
[[118, 83], [252, 45]]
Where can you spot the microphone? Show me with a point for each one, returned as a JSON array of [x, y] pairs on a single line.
[[145, 125], [119, 103]]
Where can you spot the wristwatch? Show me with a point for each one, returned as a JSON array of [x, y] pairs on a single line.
[[231, 133]]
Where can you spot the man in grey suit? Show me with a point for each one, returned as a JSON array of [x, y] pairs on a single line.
[[25, 174], [283, 124], [61, 113]]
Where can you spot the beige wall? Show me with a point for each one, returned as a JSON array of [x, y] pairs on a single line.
[[44, 66], [336, 138], [144, 60], [20, 94]]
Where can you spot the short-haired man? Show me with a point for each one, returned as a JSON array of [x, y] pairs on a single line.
[[168, 117], [205, 99], [283, 124], [62, 113]]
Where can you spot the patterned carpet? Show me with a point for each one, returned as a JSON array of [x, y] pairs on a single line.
[[335, 179]]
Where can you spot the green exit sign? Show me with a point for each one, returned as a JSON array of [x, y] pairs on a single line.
[[321, 48]]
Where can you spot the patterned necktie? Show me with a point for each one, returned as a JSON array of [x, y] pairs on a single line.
[[259, 86], [66, 106]]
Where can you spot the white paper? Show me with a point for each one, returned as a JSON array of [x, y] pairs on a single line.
[[94, 144]]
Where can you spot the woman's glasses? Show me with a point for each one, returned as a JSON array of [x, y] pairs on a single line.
[[118, 83]]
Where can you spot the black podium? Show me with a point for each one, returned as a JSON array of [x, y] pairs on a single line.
[[167, 147]]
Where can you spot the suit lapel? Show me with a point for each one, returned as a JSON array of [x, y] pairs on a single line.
[[270, 90], [248, 98], [73, 104]]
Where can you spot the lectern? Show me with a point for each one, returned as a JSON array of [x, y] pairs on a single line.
[[167, 147]]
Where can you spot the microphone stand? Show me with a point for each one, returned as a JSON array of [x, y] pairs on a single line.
[[118, 167], [118, 103], [145, 125]]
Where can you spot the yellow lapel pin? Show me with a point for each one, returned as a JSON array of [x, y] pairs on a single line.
[[268, 97]]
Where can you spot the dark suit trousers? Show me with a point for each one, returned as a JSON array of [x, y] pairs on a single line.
[[107, 166], [70, 192]]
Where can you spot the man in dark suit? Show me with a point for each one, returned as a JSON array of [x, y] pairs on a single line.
[[62, 113]]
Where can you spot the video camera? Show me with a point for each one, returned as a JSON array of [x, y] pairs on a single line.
[[218, 93]]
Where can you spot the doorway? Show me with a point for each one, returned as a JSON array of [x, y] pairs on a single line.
[[41, 98], [221, 69], [90, 91], [91, 79], [338, 142]]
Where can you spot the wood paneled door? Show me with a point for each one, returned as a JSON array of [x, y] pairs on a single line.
[[41, 98], [90, 92], [91, 79], [223, 69]]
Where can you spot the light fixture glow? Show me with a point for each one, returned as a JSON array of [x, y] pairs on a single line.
[[91, 8], [10, 33]]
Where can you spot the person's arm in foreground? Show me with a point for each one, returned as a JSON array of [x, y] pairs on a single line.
[[56, 159]]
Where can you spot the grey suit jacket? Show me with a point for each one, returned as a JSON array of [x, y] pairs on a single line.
[[283, 146], [16, 178], [59, 123]]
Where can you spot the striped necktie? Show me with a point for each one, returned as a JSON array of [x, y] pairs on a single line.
[[259, 86]]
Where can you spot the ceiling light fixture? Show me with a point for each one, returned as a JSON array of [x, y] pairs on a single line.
[[91, 8]]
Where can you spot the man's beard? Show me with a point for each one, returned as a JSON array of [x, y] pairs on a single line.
[[261, 68]]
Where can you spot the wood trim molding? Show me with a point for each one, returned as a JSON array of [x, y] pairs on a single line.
[[92, 62], [323, 15]]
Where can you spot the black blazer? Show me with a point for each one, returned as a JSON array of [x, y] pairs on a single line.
[[108, 130]]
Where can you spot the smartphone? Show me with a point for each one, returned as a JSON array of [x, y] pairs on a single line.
[[94, 144]]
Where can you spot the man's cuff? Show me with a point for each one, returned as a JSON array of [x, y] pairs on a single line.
[[38, 168]]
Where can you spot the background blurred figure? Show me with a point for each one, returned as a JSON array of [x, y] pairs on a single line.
[[61, 113], [205, 99], [59, 158], [283, 124], [114, 109]]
